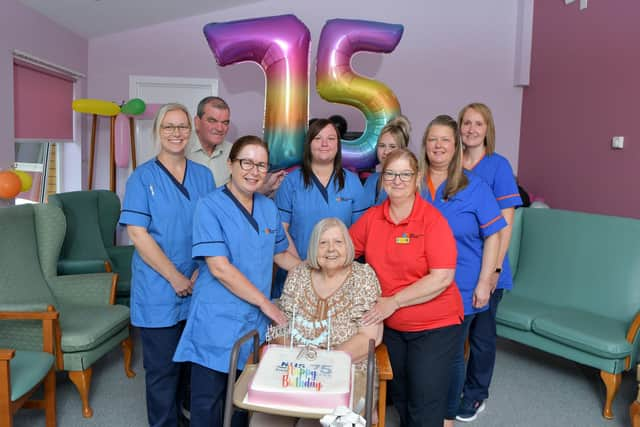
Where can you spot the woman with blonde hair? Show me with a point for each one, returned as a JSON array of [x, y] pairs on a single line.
[[478, 133], [158, 207], [474, 217], [395, 134]]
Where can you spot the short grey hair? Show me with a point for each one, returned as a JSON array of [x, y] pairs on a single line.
[[314, 241], [172, 106]]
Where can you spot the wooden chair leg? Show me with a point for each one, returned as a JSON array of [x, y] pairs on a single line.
[[127, 352], [634, 414], [382, 403], [50, 398], [612, 383], [82, 381]]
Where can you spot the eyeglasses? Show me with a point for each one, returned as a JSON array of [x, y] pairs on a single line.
[[248, 164], [404, 176], [170, 129]]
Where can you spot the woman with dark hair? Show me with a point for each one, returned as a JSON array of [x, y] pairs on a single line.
[[467, 203], [321, 188], [478, 132], [158, 208], [237, 236]]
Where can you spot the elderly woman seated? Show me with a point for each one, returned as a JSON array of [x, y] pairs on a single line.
[[329, 282]]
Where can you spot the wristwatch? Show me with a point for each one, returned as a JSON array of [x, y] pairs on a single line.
[[498, 270]]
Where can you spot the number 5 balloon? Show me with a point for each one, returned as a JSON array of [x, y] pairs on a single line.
[[337, 82]]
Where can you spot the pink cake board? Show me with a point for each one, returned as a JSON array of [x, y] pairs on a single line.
[[241, 401]]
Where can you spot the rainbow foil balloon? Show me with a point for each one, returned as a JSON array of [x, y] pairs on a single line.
[[280, 45], [337, 82]]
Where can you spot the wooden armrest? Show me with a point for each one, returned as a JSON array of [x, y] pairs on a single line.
[[384, 364], [7, 354], [29, 315], [631, 334], [50, 327]]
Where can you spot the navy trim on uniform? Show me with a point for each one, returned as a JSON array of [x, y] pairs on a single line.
[[322, 188], [180, 186], [206, 243], [136, 212], [247, 215]]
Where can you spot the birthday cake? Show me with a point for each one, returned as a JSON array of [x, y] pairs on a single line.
[[302, 377]]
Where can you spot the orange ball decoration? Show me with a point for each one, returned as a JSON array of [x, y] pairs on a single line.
[[9, 185]]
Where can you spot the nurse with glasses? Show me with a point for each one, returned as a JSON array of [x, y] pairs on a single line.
[[237, 236]]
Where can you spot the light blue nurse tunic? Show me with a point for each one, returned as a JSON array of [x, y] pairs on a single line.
[[217, 317], [473, 215], [496, 171], [374, 196], [155, 200], [302, 207]]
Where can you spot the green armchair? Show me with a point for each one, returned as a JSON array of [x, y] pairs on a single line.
[[89, 325], [22, 372], [88, 245]]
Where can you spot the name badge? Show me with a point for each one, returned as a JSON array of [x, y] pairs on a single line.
[[403, 240]]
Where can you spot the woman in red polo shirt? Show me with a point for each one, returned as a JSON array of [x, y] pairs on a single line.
[[411, 248]]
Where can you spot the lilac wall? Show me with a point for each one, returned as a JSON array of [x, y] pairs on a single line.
[[584, 90], [23, 29], [448, 56]]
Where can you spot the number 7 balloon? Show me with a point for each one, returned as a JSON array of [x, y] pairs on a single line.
[[280, 45]]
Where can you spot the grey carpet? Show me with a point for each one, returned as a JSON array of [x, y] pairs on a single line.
[[530, 388]]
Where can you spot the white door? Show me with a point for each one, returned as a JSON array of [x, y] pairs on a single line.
[[160, 90]]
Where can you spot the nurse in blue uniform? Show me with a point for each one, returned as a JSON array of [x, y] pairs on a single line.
[[320, 189], [395, 134], [475, 219], [237, 236], [159, 202], [478, 137]]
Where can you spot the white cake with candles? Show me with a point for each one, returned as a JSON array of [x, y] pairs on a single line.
[[302, 377]]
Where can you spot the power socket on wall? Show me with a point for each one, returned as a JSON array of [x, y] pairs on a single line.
[[617, 142]]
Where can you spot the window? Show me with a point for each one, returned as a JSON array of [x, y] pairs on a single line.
[[43, 119]]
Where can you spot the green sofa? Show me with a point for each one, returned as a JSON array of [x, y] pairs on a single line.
[[576, 291]]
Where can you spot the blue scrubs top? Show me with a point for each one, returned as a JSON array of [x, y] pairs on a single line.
[[217, 317], [473, 215], [302, 207], [374, 196], [154, 199], [496, 171]]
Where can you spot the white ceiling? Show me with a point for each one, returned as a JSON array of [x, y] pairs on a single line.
[[94, 18]]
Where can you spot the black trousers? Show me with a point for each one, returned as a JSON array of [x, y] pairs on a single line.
[[421, 363], [208, 395], [164, 379]]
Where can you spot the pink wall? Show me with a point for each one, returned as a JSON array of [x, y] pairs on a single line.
[[23, 29], [584, 90], [448, 56]]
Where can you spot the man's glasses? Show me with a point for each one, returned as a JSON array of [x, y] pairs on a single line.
[[247, 165], [404, 176], [170, 129]]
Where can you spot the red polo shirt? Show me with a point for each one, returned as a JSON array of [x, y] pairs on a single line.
[[403, 253]]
